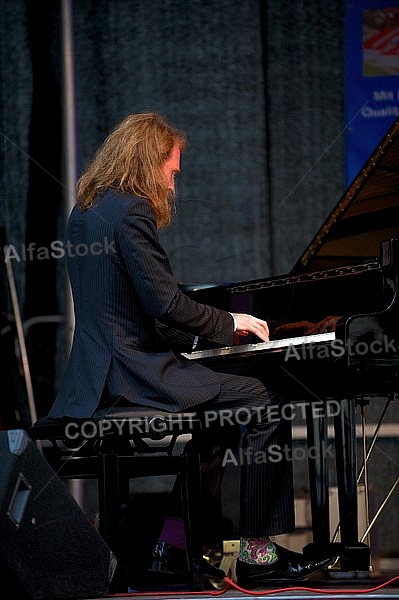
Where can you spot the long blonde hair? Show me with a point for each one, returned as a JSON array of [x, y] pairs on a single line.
[[130, 160]]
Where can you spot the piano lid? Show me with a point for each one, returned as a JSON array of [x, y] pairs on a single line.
[[367, 213]]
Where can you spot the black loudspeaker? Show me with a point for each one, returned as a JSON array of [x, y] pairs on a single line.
[[48, 547]]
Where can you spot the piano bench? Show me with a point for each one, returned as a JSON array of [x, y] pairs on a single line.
[[123, 445]]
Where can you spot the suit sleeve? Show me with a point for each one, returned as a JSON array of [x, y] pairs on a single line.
[[156, 285]]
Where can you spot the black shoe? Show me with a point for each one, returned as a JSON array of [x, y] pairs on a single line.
[[289, 565], [170, 560]]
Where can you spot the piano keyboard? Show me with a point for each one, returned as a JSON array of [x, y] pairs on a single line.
[[261, 346]]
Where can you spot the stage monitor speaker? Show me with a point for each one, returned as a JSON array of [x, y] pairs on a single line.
[[48, 547]]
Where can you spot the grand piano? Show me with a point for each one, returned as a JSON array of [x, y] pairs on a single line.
[[334, 333]]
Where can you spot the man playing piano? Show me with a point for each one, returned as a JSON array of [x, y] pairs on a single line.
[[133, 322]]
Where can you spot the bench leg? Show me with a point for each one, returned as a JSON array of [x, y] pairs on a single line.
[[191, 501], [113, 492]]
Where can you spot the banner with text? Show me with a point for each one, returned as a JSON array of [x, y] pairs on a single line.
[[371, 77]]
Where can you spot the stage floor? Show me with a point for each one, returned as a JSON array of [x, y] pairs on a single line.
[[386, 586], [323, 586], [372, 589]]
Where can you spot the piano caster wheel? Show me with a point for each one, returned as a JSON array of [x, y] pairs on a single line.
[[354, 563], [226, 561], [335, 566]]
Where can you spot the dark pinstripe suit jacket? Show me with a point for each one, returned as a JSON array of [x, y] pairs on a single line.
[[123, 286]]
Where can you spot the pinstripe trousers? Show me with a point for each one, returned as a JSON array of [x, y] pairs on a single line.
[[243, 427]]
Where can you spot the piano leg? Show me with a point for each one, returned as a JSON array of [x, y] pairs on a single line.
[[318, 475], [317, 438], [355, 555], [345, 450]]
